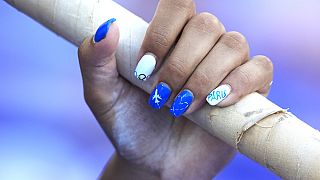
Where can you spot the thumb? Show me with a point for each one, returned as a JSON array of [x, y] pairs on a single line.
[[99, 51], [98, 67]]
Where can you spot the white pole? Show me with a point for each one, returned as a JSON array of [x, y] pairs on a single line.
[[255, 126]]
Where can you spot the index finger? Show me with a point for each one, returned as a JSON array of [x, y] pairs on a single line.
[[168, 22]]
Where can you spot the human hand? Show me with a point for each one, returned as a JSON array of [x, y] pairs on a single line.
[[152, 141]]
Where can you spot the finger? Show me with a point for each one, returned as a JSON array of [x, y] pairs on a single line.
[[230, 52], [168, 22], [98, 65], [265, 90], [197, 39], [255, 75]]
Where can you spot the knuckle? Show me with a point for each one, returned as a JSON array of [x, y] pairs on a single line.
[[159, 35], [177, 69], [222, 27], [203, 78], [201, 81], [236, 41], [206, 22], [205, 16], [188, 5], [238, 37], [265, 62], [244, 78]]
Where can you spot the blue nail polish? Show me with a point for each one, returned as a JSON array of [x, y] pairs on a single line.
[[159, 96], [181, 103], [103, 30]]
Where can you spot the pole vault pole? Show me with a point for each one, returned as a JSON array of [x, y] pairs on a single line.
[[255, 126]]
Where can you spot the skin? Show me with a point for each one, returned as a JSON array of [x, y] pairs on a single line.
[[151, 144]]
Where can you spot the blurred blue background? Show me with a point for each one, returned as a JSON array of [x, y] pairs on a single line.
[[48, 132]]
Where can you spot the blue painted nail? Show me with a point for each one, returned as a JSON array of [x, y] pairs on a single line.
[[159, 96], [103, 30], [181, 103]]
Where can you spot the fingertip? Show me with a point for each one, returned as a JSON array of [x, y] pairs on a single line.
[[96, 53], [108, 44], [103, 30]]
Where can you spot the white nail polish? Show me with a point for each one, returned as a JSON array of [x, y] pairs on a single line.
[[218, 94], [145, 67]]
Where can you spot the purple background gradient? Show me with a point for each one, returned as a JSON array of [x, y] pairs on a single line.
[[46, 129]]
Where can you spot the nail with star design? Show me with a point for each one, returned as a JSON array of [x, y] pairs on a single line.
[[218, 94], [181, 103], [159, 95]]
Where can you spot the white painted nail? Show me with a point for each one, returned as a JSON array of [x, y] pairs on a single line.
[[219, 94], [145, 67]]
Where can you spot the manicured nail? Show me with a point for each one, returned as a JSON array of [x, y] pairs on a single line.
[[218, 94], [145, 67], [102, 31], [181, 103], [159, 96]]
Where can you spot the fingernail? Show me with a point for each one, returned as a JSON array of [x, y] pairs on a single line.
[[181, 103], [218, 94], [145, 66], [270, 84], [102, 31], [159, 96]]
